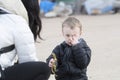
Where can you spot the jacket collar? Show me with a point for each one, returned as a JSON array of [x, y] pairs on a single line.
[[64, 44]]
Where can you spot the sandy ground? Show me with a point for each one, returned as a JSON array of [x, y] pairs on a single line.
[[102, 33]]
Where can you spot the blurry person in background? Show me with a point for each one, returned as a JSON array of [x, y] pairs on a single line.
[[79, 7], [116, 6], [20, 25]]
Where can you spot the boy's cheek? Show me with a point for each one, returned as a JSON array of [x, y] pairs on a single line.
[[76, 37]]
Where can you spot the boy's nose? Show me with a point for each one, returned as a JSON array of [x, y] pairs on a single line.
[[70, 38]]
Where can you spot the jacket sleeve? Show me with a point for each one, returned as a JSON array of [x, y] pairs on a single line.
[[55, 51], [82, 54], [24, 41]]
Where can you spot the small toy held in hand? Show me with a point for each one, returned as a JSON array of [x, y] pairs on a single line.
[[54, 64]]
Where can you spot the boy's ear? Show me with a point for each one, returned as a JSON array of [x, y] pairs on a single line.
[[80, 33], [62, 33]]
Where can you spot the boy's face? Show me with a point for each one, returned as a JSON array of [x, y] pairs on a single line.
[[71, 35]]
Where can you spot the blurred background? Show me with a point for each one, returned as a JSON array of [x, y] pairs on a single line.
[[101, 29], [60, 8]]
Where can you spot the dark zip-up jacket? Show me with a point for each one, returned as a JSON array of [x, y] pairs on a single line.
[[72, 61]]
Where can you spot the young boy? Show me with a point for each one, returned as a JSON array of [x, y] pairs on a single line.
[[73, 55]]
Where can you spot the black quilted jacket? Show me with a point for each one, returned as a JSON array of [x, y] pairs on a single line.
[[72, 61]]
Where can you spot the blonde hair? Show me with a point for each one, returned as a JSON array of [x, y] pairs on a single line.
[[72, 22]]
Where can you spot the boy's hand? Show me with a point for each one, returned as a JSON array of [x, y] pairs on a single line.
[[51, 62], [74, 41]]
